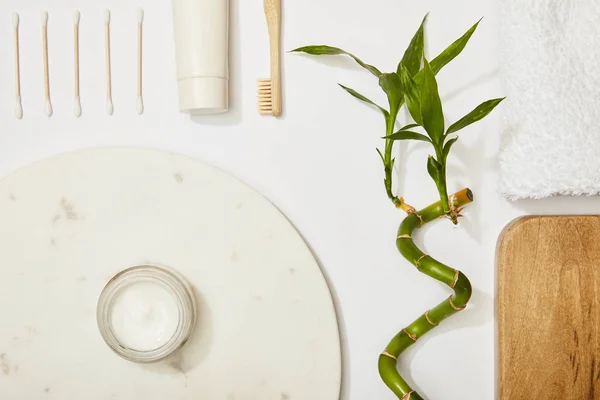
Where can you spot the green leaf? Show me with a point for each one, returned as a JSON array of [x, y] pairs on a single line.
[[435, 170], [365, 99], [412, 95], [323, 50], [409, 126], [453, 50], [407, 135], [449, 54], [392, 86], [381, 155], [448, 146], [480, 112], [431, 105], [414, 53]]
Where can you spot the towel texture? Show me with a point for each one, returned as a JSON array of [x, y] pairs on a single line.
[[550, 64]]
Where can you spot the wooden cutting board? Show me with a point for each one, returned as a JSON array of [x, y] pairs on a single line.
[[549, 308]]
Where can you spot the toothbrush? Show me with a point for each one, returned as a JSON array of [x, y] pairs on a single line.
[[269, 90], [109, 103], [18, 106], [140, 102], [77, 106], [45, 51]]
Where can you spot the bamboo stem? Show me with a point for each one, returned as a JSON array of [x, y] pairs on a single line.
[[430, 319]]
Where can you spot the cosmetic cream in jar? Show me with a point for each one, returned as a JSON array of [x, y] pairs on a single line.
[[145, 313]]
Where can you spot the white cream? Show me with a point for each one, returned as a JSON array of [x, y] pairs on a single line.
[[144, 316]]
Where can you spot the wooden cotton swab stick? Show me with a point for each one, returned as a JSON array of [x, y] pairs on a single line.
[[18, 106], [77, 106], [45, 51], [109, 103], [140, 102]]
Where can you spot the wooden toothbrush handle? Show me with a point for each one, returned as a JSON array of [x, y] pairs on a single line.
[[273, 14]]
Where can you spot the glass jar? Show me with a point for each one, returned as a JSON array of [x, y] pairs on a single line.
[[146, 313]]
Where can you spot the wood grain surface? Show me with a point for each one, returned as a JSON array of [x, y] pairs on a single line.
[[548, 313]]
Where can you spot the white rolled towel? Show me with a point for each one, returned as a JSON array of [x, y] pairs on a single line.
[[550, 60]]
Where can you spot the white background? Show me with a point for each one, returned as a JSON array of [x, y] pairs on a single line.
[[317, 163]]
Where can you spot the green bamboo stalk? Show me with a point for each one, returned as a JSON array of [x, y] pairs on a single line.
[[455, 279]]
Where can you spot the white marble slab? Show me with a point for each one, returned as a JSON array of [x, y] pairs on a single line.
[[267, 325]]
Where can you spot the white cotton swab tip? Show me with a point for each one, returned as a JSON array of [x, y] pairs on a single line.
[[77, 107], [76, 17], [140, 105], [140, 15], [107, 16], [44, 18], [48, 108], [15, 18], [18, 108], [109, 107]]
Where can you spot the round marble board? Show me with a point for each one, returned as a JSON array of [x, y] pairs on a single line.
[[267, 327]]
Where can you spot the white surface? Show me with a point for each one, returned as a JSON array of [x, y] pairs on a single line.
[[202, 50], [553, 143], [266, 327], [317, 163], [144, 316]]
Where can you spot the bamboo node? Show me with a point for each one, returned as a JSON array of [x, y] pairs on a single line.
[[406, 207], [455, 307], [418, 263], [385, 353], [456, 274], [410, 335], [404, 236], [407, 395], [420, 219], [429, 320]]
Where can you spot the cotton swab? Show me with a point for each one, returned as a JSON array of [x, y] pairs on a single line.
[[77, 106], [140, 102], [109, 103], [18, 106], [45, 51]]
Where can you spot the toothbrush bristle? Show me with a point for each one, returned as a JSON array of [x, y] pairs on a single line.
[[15, 19], [265, 100]]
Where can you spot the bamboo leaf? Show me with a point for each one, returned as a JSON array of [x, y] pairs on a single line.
[[431, 105], [408, 135], [364, 99], [448, 146], [435, 170], [409, 126], [414, 53], [480, 112], [381, 155], [323, 50], [412, 95], [453, 50], [449, 54], [392, 86]]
